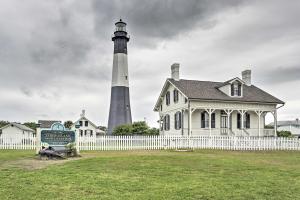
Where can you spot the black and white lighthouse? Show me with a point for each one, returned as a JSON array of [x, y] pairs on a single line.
[[119, 112]]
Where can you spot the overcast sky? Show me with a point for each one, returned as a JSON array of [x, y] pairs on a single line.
[[56, 56]]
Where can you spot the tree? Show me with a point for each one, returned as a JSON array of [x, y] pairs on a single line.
[[284, 133], [125, 129], [140, 128], [68, 124], [3, 123], [31, 125]]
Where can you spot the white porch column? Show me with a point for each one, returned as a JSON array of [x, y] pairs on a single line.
[[190, 121], [242, 112], [259, 112], [209, 111], [275, 122], [228, 112]]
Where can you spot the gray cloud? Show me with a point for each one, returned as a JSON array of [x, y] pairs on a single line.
[[151, 21], [56, 56], [281, 75]]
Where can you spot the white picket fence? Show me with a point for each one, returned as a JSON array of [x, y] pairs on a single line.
[[17, 142], [181, 142], [104, 143]]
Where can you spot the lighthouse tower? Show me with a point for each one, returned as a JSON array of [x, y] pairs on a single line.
[[120, 112]]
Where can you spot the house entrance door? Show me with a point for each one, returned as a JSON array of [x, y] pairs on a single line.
[[224, 125]]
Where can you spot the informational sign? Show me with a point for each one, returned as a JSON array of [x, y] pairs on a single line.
[[57, 137]]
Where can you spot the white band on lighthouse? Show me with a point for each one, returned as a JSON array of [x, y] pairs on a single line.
[[120, 70]]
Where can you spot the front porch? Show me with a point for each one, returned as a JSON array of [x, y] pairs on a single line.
[[228, 122]]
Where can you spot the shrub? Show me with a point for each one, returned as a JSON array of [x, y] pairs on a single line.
[[124, 129], [140, 128], [284, 133], [153, 131]]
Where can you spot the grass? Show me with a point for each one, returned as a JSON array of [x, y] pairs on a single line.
[[206, 174]]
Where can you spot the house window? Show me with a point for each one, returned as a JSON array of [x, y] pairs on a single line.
[[236, 89], [81, 133], [91, 132], [168, 98], [246, 120], [205, 120], [160, 107], [175, 95], [86, 123], [80, 123], [85, 132], [177, 118], [167, 122]]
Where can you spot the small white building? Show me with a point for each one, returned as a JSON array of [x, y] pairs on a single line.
[[234, 107], [16, 132], [86, 128], [292, 125]]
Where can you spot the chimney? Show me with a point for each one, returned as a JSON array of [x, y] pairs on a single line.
[[83, 113], [175, 71], [246, 76]]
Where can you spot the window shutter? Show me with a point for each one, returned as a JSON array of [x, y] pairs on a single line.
[[213, 120], [179, 120], [239, 89], [232, 90], [203, 120], [175, 120], [247, 120], [238, 117], [168, 122]]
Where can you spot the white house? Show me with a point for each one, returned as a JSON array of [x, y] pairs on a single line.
[[293, 126], [234, 107], [16, 132], [86, 128]]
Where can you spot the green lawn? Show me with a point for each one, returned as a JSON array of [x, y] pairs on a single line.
[[205, 174]]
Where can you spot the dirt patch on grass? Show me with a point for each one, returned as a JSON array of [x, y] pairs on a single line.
[[36, 163]]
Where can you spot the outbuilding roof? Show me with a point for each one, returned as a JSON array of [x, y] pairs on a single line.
[[47, 123], [20, 126]]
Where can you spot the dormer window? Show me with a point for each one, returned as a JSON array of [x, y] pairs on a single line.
[[236, 89]]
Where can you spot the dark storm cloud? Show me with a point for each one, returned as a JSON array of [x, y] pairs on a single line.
[[279, 75], [151, 21]]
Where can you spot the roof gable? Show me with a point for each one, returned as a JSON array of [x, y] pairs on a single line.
[[163, 92], [85, 119]]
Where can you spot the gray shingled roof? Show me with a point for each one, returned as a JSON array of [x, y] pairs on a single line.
[[47, 123], [207, 90], [287, 123], [20, 126]]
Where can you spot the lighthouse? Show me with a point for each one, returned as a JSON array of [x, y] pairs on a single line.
[[120, 111]]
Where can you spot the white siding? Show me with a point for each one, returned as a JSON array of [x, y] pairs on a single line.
[[171, 109]]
